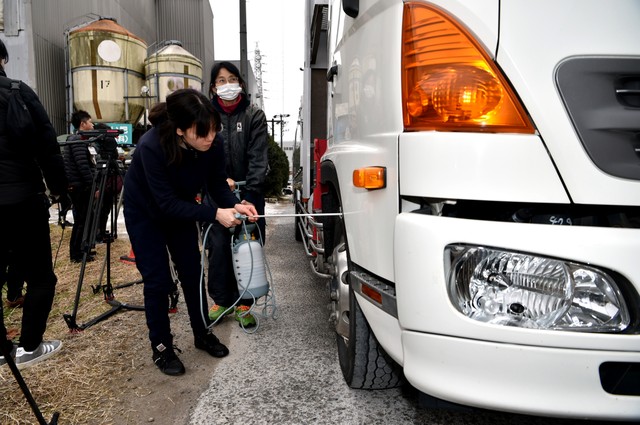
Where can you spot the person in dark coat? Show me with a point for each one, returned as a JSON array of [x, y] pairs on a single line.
[[246, 145], [175, 162], [80, 168], [24, 214]]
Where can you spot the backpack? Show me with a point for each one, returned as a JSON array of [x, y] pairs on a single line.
[[20, 124]]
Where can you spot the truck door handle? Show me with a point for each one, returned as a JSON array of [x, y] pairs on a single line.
[[332, 72]]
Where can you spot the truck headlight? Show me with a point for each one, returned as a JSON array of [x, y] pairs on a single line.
[[531, 291]]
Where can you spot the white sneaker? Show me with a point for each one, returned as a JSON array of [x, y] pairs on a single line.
[[45, 350]]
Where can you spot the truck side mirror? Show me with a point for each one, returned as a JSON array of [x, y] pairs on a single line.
[[351, 7]]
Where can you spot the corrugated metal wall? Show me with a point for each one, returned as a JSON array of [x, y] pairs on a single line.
[[190, 21], [177, 22], [50, 80]]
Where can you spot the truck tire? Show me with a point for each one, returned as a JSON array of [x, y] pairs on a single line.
[[364, 363]]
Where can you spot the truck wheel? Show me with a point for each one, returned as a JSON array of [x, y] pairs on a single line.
[[364, 364]]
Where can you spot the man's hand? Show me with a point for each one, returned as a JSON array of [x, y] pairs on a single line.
[[64, 200], [247, 209], [65, 204]]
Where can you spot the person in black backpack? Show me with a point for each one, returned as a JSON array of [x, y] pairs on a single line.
[[24, 212], [245, 134]]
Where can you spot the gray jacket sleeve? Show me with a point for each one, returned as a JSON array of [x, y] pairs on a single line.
[[257, 152]]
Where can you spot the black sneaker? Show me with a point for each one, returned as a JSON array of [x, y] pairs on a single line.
[[211, 345], [167, 360]]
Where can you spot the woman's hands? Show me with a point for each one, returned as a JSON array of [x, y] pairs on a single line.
[[227, 216]]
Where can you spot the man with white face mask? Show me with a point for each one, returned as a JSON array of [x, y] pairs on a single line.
[[245, 134]]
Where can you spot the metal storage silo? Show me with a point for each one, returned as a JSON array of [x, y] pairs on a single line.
[[171, 68], [106, 62]]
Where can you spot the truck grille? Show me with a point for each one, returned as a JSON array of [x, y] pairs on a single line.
[[602, 97]]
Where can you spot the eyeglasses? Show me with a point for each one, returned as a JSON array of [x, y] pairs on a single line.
[[232, 80]]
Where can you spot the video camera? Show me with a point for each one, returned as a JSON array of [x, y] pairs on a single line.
[[105, 138], [96, 132]]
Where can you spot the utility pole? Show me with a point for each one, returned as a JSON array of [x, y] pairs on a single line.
[[244, 68], [273, 134], [280, 121]]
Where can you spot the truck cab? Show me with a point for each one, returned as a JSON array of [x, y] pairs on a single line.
[[485, 162]]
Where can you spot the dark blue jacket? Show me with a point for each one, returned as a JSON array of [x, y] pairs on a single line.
[[168, 192], [78, 163]]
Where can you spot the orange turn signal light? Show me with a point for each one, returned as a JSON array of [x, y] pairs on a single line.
[[372, 293], [449, 82], [370, 177]]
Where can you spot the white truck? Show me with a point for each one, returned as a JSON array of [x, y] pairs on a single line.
[[485, 157]]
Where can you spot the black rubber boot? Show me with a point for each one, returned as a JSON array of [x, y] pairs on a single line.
[[211, 345]]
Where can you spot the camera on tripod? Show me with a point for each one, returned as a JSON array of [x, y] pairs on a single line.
[[107, 183], [105, 141]]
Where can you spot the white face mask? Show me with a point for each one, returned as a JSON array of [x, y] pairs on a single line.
[[228, 91]]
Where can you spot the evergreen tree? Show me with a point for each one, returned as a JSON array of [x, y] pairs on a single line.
[[278, 176]]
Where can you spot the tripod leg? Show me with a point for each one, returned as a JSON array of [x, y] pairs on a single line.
[[95, 204], [174, 294], [107, 288], [88, 239]]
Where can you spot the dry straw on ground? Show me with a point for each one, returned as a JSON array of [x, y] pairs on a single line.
[[88, 380]]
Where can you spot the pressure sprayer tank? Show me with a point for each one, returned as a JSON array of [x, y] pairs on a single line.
[[249, 268], [172, 68], [107, 68]]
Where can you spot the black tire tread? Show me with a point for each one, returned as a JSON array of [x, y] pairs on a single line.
[[364, 363], [373, 368]]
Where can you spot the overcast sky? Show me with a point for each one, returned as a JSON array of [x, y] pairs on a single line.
[[278, 28]]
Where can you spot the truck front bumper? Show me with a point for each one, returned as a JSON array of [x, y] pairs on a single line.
[[533, 371], [516, 378]]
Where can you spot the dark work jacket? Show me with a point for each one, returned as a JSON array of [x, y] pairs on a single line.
[[246, 141], [22, 169], [78, 164], [165, 192]]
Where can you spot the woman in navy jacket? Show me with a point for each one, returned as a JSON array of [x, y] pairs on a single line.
[[178, 159]]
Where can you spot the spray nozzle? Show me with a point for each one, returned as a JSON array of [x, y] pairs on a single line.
[[240, 216]]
